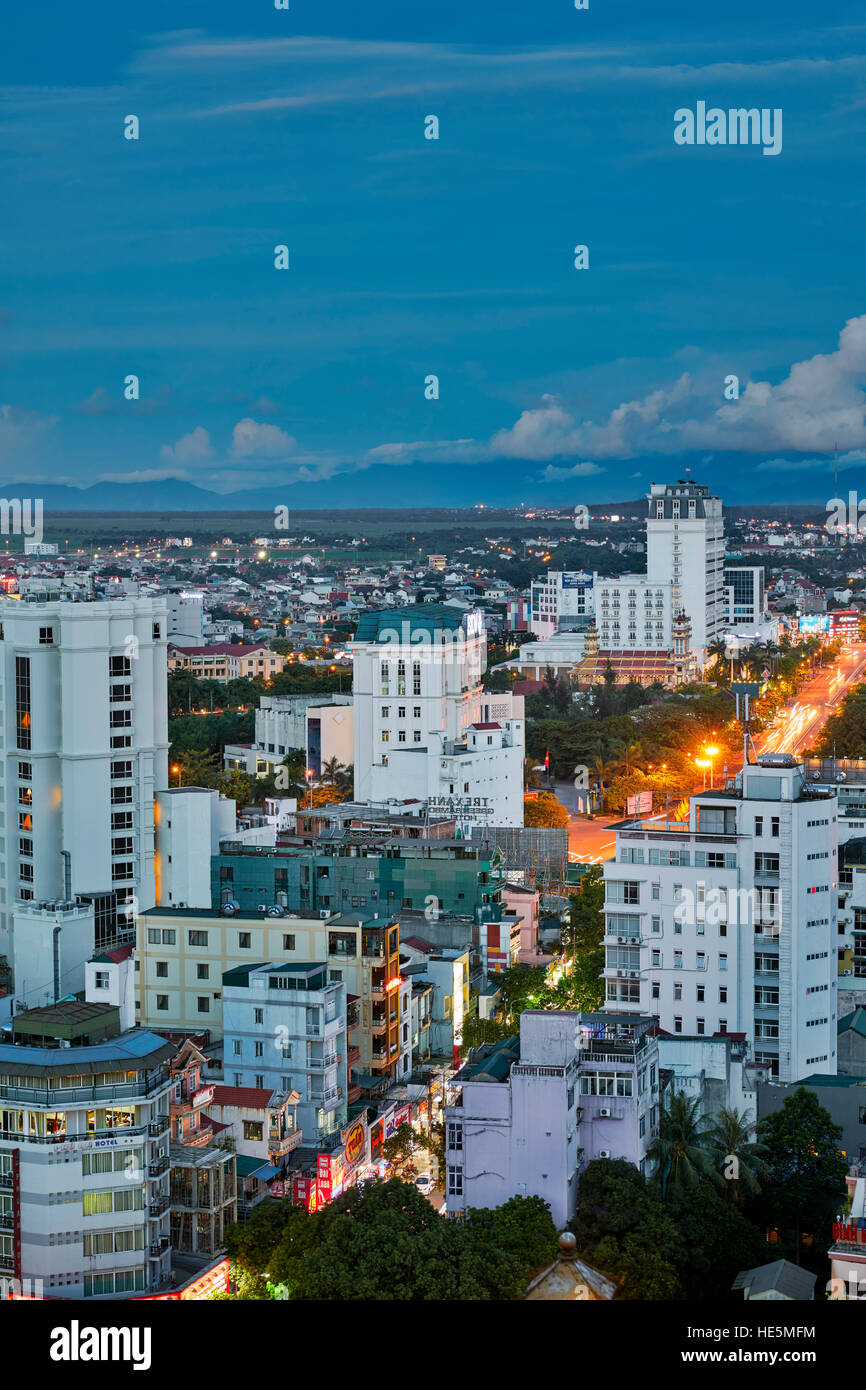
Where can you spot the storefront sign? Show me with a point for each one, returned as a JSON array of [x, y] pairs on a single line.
[[355, 1144]]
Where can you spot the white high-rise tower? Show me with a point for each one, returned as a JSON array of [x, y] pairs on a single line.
[[84, 747], [686, 545]]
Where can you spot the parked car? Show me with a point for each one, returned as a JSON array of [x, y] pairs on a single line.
[[424, 1184]]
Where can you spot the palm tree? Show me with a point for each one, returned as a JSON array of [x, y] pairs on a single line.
[[738, 1156], [332, 770], [629, 754], [680, 1149], [603, 767]]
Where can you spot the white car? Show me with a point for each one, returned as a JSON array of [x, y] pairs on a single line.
[[424, 1184]]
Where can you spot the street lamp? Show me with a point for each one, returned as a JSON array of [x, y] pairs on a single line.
[[704, 763], [179, 770], [711, 752]]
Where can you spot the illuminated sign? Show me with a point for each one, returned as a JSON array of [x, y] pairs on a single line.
[[394, 984], [579, 580], [815, 622], [473, 623], [355, 1141]]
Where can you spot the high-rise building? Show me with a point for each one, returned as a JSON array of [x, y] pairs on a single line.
[[84, 749], [686, 547], [423, 726], [726, 923]]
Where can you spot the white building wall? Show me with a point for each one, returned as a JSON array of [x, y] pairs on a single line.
[[74, 749]]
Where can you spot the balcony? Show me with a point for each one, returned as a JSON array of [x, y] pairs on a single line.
[[159, 1247], [7, 1221], [278, 1146], [379, 1025], [155, 1170], [158, 1207], [353, 1095], [353, 1055], [158, 1126]]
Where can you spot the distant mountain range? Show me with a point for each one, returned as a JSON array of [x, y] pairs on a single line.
[[501, 483]]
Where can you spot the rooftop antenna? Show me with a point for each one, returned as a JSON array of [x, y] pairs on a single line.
[[836, 484]]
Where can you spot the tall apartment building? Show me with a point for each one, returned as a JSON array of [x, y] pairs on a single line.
[[561, 599], [423, 726], [84, 1166], [727, 922], [686, 547], [286, 1023], [84, 750]]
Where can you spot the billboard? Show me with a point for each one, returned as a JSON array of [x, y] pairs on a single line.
[[814, 623], [578, 579]]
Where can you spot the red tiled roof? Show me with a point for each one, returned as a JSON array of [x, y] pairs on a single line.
[[119, 953], [487, 726], [417, 943], [248, 1097]]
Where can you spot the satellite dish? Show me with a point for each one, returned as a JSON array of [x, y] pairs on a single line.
[[230, 908], [276, 911]]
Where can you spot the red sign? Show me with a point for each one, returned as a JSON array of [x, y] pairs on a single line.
[[850, 1235], [355, 1142]]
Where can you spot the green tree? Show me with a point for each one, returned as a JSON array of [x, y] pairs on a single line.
[[806, 1168], [545, 812], [680, 1151], [738, 1156], [623, 1229]]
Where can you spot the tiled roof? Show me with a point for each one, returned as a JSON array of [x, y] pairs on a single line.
[[248, 1097]]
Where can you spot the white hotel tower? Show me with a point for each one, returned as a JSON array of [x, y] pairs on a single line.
[[685, 545], [727, 922], [423, 727], [83, 748]]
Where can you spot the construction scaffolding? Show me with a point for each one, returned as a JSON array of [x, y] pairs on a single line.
[[533, 857]]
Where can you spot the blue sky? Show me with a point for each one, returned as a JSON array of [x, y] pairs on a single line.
[[411, 257]]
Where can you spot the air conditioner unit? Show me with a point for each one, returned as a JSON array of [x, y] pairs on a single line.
[[604, 1153], [605, 1112], [324, 913], [621, 940], [262, 907]]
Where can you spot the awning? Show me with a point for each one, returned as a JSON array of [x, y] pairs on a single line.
[[247, 1166], [266, 1173]]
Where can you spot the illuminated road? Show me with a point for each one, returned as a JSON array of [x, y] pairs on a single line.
[[798, 726], [802, 719]]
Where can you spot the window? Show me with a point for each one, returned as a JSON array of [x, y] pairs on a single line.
[[156, 632], [416, 735], [701, 991], [101, 981], [723, 994], [416, 712], [260, 1049], [245, 940], [120, 666], [203, 1004], [197, 938], [162, 969], [22, 701], [254, 1129], [259, 1080], [202, 972], [759, 825], [723, 962], [455, 1135], [386, 711], [288, 941], [258, 1017], [162, 1002], [46, 636], [237, 1047], [678, 991], [678, 1025], [655, 989], [701, 1023], [774, 827], [455, 1182]]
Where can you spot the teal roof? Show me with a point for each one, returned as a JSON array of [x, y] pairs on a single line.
[[491, 1061], [822, 1079], [414, 618], [854, 1022], [247, 1165]]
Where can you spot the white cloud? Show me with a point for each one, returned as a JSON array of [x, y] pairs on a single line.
[[552, 474], [189, 448], [253, 440], [19, 428], [820, 402]]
